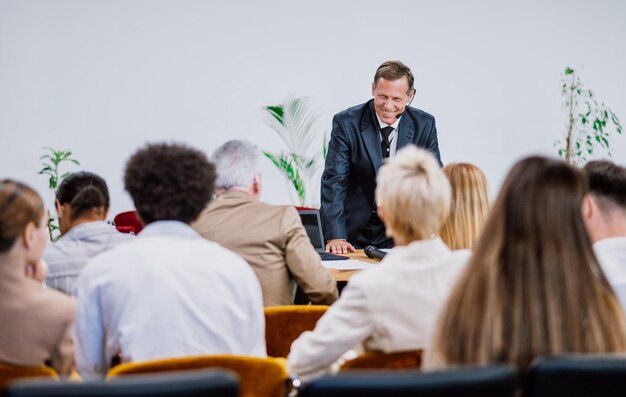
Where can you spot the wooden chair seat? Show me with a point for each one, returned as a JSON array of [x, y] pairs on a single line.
[[258, 377], [284, 324], [9, 373], [375, 360]]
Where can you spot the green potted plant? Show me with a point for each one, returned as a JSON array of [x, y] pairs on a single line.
[[590, 123], [296, 123], [52, 160]]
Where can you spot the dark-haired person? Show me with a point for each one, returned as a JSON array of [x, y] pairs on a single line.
[[169, 292], [361, 138], [82, 204], [35, 323], [533, 286], [604, 210]]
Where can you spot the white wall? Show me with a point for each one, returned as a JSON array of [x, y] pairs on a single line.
[[104, 77]]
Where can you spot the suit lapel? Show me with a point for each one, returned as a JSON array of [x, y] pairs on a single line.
[[406, 129], [369, 132]]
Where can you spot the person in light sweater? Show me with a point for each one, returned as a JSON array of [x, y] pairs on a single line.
[[394, 306]]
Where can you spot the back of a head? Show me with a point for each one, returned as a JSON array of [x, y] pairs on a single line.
[[236, 163], [533, 286], [84, 192], [169, 182], [19, 206], [414, 194], [607, 183], [470, 205]]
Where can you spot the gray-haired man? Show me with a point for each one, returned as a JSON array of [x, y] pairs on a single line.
[[270, 238]]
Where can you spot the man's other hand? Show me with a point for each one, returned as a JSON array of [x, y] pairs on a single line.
[[339, 246]]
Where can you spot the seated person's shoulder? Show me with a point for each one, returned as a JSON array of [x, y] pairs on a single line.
[[460, 257], [53, 305]]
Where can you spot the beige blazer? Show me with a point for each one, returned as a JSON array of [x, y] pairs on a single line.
[[36, 323], [273, 241]]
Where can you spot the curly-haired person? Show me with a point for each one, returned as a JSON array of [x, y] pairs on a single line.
[[169, 292]]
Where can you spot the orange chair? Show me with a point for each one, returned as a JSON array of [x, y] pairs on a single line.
[[9, 373], [128, 222], [283, 325], [258, 377], [375, 360]]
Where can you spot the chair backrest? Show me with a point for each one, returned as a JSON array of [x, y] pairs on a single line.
[[495, 381], [406, 359], [211, 383], [577, 375], [10, 373], [127, 222], [260, 377], [283, 325]]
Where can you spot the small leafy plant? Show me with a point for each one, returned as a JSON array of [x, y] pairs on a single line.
[[296, 123], [590, 122], [51, 162]]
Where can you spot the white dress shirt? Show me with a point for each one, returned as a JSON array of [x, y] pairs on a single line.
[[67, 257], [611, 253], [393, 141], [168, 293], [392, 307]]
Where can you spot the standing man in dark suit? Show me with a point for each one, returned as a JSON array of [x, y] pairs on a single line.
[[361, 138]]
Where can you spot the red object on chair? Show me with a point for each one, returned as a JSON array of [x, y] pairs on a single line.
[[128, 222]]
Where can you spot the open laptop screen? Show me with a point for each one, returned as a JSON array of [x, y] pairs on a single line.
[[313, 227]]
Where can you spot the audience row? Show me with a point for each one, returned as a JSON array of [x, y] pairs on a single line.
[[538, 273]]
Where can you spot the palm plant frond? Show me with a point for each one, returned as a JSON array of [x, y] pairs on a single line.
[[296, 122]]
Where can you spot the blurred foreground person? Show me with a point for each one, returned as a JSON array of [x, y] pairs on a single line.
[[533, 286], [36, 322], [169, 292], [82, 204], [394, 306]]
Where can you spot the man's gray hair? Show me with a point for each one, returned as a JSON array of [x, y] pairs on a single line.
[[237, 162]]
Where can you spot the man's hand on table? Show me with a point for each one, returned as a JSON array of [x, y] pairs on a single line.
[[339, 246]]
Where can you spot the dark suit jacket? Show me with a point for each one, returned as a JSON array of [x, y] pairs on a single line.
[[353, 159]]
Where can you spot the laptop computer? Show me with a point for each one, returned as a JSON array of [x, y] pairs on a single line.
[[313, 226]]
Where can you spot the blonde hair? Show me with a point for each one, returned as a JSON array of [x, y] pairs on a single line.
[[470, 205], [533, 286], [414, 194]]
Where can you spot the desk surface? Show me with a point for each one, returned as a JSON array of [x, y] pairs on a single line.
[[344, 275]]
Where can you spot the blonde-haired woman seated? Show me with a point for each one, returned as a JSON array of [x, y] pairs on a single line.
[[470, 205], [392, 307], [533, 286], [36, 322]]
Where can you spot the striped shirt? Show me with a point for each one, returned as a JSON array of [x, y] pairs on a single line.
[[67, 257]]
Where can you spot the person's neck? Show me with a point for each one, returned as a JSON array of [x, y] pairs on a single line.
[[85, 219], [13, 261], [615, 228], [239, 189]]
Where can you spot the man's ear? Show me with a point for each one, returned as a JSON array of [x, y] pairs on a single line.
[[256, 185], [59, 208], [373, 87], [588, 208]]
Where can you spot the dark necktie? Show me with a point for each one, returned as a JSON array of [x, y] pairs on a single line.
[[384, 144]]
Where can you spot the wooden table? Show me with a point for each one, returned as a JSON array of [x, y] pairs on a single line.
[[344, 275]]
